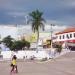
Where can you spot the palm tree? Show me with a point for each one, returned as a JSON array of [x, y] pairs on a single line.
[[37, 22]]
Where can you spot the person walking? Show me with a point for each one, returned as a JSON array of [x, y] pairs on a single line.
[[14, 64]]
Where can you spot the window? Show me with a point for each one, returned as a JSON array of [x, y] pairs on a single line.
[[59, 37], [67, 36], [70, 35], [74, 34], [63, 36]]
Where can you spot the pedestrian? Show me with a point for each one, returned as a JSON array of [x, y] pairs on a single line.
[[14, 64]]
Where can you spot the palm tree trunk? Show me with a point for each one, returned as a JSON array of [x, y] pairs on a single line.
[[37, 40], [37, 37]]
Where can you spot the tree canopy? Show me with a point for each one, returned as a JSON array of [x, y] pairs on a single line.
[[37, 21], [15, 45]]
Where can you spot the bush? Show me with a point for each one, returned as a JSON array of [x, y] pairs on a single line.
[[59, 48]]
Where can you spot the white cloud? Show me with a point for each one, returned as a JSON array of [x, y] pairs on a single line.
[[24, 29], [27, 29], [20, 30], [8, 30], [55, 28]]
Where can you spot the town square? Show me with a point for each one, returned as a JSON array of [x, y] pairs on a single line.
[[37, 37]]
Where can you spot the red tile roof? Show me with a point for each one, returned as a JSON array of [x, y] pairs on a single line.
[[67, 30]]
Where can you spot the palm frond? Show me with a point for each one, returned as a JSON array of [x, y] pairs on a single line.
[[37, 21]]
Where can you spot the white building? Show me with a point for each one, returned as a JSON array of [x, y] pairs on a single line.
[[66, 36]]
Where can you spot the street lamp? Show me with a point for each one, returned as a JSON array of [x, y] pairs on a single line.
[[51, 34], [26, 19]]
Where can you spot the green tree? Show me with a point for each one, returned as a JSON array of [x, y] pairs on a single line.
[[15, 45], [8, 41], [19, 45], [37, 21]]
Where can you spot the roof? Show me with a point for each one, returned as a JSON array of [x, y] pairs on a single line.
[[67, 30]]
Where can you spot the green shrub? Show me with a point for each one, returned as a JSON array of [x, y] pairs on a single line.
[[59, 48]]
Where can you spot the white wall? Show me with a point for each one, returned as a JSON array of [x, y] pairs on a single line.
[[22, 54]]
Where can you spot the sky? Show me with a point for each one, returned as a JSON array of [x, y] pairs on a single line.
[[61, 12], [21, 30]]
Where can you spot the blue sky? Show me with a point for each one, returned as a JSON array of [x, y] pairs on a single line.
[[54, 11]]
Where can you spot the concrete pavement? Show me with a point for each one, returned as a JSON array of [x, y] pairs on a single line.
[[63, 65]]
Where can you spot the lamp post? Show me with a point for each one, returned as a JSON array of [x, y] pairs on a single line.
[[26, 19], [51, 34], [51, 50]]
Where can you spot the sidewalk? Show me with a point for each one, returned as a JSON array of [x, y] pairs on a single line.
[[62, 53]]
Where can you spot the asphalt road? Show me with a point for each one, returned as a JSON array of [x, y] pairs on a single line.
[[64, 65]]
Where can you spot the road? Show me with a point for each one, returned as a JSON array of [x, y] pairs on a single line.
[[63, 65]]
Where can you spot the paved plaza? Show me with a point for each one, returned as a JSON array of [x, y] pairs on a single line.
[[64, 65]]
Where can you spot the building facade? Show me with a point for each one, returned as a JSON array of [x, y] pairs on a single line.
[[66, 36]]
